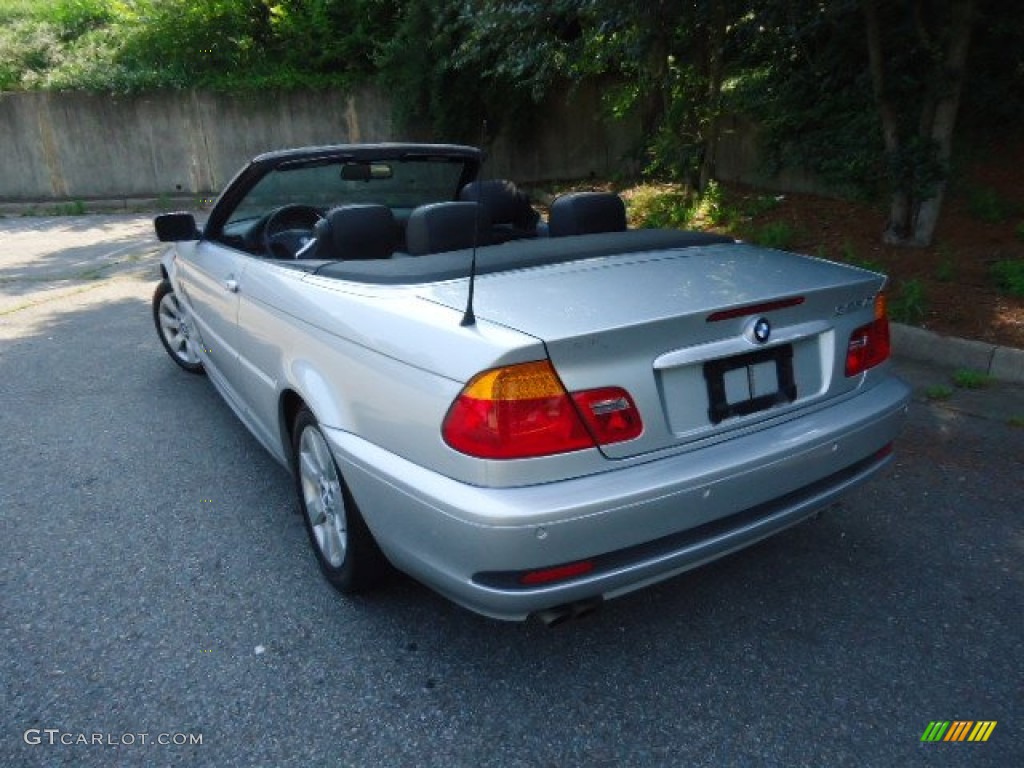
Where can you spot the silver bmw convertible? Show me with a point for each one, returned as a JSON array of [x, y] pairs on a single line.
[[529, 415]]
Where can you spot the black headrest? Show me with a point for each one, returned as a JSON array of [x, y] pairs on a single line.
[[357, 232], [440, 227], [504, 201], [587, 213]]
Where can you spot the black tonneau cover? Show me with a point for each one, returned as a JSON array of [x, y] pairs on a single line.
[[516, 254]]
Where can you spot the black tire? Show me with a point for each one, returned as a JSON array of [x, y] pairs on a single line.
[[174, 329], [330, 513]]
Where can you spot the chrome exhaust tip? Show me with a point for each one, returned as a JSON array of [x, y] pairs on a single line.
[[560, 614]]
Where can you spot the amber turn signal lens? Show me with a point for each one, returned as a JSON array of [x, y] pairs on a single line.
[[524, 411]]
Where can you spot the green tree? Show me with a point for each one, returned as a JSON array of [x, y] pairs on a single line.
[[417, 67], [863, 93], [923, 45], [458, 62], [801, 75], [866, 94]]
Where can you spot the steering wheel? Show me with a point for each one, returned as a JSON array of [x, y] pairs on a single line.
[[288, 228]]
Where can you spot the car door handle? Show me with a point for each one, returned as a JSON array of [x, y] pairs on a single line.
[[231, 284]]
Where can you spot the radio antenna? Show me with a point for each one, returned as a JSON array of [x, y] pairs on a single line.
[[469, 317]]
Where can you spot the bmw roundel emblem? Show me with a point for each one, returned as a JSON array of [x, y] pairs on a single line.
[[762, 330]]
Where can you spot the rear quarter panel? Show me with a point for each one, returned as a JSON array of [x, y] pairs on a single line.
[[378, 362]]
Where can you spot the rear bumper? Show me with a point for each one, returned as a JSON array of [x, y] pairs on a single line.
[[639, 524]]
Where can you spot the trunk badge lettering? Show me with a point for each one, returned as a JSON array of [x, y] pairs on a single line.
[[853, 306]]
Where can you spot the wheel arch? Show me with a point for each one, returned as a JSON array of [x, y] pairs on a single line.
[[325, 406], [289, 405], [311, 380]]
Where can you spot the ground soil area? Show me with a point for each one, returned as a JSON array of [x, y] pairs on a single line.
[[948, 287]]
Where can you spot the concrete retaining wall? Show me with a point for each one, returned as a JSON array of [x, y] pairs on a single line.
[[82, 145], [68, 146], [739, 160]]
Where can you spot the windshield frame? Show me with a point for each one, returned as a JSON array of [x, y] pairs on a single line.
[[251, 176]]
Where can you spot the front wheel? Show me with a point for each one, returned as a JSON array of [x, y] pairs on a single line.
[[349, 557], [174, 327]]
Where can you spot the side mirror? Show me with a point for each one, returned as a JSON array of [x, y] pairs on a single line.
[[173, 227]]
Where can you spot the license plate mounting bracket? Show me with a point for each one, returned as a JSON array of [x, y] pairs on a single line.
[[721, 406]]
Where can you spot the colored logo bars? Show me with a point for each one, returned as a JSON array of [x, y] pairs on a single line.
[[958, 730]]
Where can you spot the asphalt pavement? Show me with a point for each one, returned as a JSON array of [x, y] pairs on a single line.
[[159, 605]]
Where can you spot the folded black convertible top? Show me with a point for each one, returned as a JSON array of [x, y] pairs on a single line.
[[516, 254]]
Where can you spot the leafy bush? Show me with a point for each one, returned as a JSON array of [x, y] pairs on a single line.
[[713, 208], [27, 52], [114, 45], [17, 10], [659, 206], [73, 208], [675, 206], [76, 17]]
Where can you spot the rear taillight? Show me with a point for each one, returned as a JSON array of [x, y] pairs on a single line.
[[522, 411], [869, 344]]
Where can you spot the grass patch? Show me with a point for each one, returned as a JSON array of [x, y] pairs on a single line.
[[74, 208], [1009, 276], [985, 204], [848, 255], [945, 270], [910, 304], [776, 234], [938, 392], [965, 378], [1016, 421], [93, 273]]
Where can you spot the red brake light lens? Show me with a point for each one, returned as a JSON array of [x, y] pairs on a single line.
[[523, 411], [755, 309], [869, 344]]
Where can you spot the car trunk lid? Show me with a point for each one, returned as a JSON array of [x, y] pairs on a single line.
[[706, 339]]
